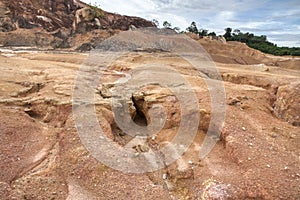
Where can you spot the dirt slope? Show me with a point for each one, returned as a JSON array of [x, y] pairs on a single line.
[[239, 53]]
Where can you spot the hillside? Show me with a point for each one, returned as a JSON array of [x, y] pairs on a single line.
[[239, 53], [58, 24]]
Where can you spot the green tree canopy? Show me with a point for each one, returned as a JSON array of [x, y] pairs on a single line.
[[227, 34], [155, 21], [193, 28], [259, 42], [212, 34], [167, 24], [203, 32]]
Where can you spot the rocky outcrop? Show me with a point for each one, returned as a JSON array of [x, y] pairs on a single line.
[[123, 22], [54, 15], [287, 105], [6, 24], [146, 99], [86, 19], [90, 18], [33, 38], [50, 15], [58, 21]]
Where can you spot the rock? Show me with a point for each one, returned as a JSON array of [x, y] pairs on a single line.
[[245, 106], [97, 23], [145, 98], [165, 176], [234, 101], [89, 18], [132, 27], [141, 148], [62, 33], [6, 24], [204, 120], [85, 47], [215, 190], [220, 39], [84, 20], [106, 90], [121, 22], [59, 18], [287, 104], [25, 37]]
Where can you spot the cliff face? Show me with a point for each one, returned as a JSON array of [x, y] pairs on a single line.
[[52, 15], [49, 15], [60, 19]]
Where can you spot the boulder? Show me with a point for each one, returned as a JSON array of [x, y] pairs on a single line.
[[287, 104], [86, 14], [213, 189], [6, 24], [149, 96]]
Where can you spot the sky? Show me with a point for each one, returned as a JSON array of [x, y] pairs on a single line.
[[277, 19]]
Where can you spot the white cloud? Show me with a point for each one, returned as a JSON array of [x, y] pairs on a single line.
[[257, 16]]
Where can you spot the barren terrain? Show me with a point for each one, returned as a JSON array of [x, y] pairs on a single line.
[[257, 156]]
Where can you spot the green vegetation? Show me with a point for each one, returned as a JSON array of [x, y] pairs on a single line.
[[193, 28], [260, 43], [156, 22], [98, 11], [202, 32], [168, 25]]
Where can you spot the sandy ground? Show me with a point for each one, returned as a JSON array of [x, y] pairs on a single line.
[[42, 157]]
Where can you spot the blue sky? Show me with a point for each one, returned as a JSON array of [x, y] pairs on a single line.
[[279, 20]]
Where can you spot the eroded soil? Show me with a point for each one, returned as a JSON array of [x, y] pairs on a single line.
[[42, 156]]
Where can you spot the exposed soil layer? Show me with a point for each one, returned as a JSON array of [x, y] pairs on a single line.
[[42, 156]]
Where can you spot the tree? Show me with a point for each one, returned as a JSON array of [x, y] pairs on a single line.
[[193, 28], [236, 31], [155, 21], [260, 43], [212, 34], [177, 29], [227, 34], [203, 32], [167, 24]]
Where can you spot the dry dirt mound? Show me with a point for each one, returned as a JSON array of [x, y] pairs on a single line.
[[289, 63], [239, 53], [234, 53]]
